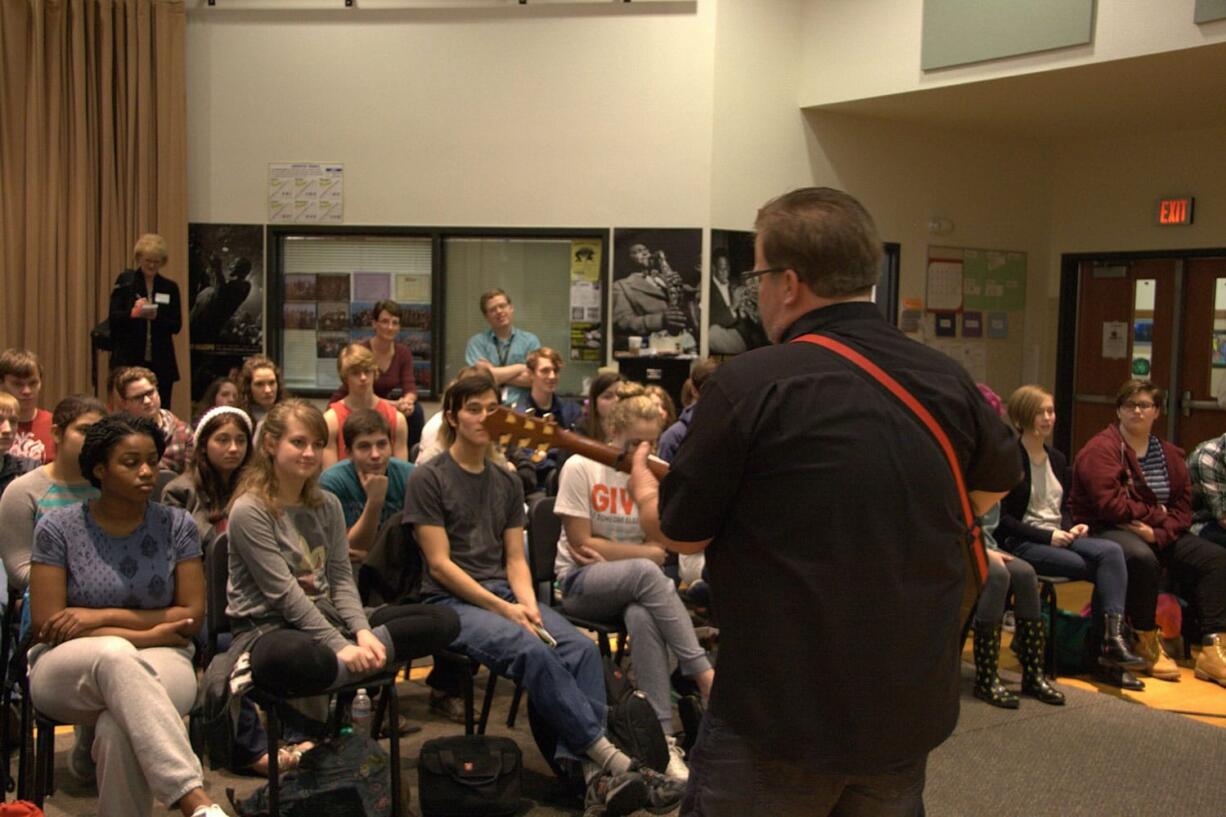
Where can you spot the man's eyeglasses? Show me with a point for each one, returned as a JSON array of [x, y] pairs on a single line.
[[1141, 405], [758, 273], [142, 397]]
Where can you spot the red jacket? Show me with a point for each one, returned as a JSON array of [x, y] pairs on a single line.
[[1109, 489]]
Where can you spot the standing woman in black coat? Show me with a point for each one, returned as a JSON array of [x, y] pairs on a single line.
[[145, 314]]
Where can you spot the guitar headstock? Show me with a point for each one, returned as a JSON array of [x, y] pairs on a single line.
[[514, 430]]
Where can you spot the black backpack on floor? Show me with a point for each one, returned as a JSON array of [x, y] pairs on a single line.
[[632, 723]]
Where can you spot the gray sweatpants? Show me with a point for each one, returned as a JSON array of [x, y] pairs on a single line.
[[136, 699], [656, 620]]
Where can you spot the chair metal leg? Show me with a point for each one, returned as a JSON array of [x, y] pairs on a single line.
[[621, 648], [469, 718], [274, 771], [519, 694], [487, 703], [44, 760], [26, 753], [393, 708]]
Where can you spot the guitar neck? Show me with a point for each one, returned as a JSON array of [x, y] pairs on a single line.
[[604, 453]]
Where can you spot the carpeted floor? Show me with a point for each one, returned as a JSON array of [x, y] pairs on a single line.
[[1096, 756]]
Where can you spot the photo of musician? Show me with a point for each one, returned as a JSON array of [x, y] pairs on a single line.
[[656, 293]]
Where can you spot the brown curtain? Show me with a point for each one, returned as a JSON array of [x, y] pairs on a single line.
[[93, 153]]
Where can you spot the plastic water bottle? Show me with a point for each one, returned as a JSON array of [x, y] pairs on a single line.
[[361, 713]]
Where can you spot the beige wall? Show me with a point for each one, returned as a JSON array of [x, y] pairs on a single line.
[[995, 193], [758, 134], [591, 116], [604, 118], [855, 49]]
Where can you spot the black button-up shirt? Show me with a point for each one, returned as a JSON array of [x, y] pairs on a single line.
[[836, 562]]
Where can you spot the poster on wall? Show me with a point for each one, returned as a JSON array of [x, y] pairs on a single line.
[[586, 302], [732, 311], [657, 290], [306, 193], [325, 312], [225, 299]]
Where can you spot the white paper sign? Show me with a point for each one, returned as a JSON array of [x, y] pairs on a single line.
[[944, 285], [1115, 340], [306, 193]]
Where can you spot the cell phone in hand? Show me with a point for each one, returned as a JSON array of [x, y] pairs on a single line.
[[395, 394], [544, 635]]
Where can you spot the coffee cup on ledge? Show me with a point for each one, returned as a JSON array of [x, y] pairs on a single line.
[[634, 345]]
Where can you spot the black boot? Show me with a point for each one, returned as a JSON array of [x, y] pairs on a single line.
[[1120, 677], [987, 652], [1034, 682], [1116, 651]]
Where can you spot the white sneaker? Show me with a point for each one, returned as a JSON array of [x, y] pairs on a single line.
[[212, 810], [677, 770]]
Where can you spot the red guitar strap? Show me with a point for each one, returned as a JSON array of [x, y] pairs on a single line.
[[977, 557]]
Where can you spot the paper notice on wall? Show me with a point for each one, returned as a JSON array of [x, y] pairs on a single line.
[[1115, 340], [944, 291], [584, 302], [306, 193], [971, 355], [412, 288], [298, 356]]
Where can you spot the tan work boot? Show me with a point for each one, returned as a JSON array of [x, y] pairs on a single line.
[[1157, 662], [1211, 663]]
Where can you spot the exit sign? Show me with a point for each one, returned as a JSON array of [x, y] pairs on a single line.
[[1175, 211]]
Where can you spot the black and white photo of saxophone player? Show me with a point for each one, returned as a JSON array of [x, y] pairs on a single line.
[[657, 290]]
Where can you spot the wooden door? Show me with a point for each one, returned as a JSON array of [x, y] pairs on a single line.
[[1125, 328], [1202, 357]]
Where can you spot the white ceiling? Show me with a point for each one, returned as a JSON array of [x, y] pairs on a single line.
[[1172, 91]]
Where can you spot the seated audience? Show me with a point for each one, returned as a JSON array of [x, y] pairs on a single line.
[[260, 387], [1207, 470], [21, 375], [117, 592], [139, 389], [290, 571], [674, 434], [11, 465], [608, 570], [358, 370], [1036, 526], [601, 397], [433, 438], [544, 368], [469, 521], [502, 350], [371, 483], [1132, 488], [221, 447], [1008, 574], [57, 484], [221, 392], [664, 402], [394, 362]]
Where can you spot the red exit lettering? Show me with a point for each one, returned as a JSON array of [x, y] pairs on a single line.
[[1175, 211]]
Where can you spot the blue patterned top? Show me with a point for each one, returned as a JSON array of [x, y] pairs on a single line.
[[135, 572]]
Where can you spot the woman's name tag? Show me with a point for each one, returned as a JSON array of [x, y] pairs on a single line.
[[161, 297]]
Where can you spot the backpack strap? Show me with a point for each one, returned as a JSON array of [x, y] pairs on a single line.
[[977, 557]]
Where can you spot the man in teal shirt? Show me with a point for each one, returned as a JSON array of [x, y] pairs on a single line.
[[502, 350], [371, 483]]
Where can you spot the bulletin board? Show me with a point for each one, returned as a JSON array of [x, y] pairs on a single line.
[[324, 288], [974, 311]]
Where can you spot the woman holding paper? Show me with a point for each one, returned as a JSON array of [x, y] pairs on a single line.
[[145, 314]]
